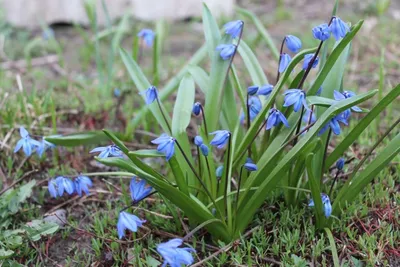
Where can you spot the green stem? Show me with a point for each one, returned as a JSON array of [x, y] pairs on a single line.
[[227, 180], [163, 114]]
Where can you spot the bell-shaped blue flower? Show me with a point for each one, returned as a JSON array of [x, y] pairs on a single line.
[[151, 94], [64, 185], [220, 139], [44, 145], [82, 184], [334, 124], [252, 90], [196, 108], [26, 142], [254, 107], [107, 151], [198, 141], [249, 165], [284, 62], [340, 164], [204, 150], [166, 145], [175, 256], [147, 36], [274, 118], [234, 28], [117, 92], [346, 94], [128, 221], [219, 171], [295, 97], [321, 32], [293, 43], [326, 203], [265, 90], [139, 190], [226, 50], [307, 60], [338, 28], [53, 188]]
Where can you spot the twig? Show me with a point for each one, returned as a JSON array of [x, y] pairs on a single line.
[[22, 64], [17, 181]]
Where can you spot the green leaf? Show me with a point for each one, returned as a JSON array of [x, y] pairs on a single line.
[[315, 191], [335, 257], [211, 31], [146, 153], [252, 64], [78, 139], [361, 126], [38, 228], [261, 29], [354, 186], [320, 101], [142, 84], [200, 77], [183, 106], [248, 208], [5, 253]]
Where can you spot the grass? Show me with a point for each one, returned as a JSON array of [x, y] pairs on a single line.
[[54, 98]]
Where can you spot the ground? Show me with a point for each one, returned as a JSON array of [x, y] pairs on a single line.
[[68, 95]]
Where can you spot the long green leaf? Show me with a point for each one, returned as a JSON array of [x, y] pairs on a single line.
[[335, 257], [200, 77], [183, 106], [248, 208], [354, 186], [315, 191], [211, 31], [361, 125], [252, 64], [78, 139]]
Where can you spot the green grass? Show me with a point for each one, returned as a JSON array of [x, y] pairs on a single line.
[[49, 101]]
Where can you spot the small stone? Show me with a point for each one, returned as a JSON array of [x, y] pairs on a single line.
[[59, 217]]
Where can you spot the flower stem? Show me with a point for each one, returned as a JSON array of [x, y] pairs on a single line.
[[238, 189], [248, 120], [279, 61], [298, 126], [204, 119], [325, 154], [163, 114], [209, 172], [136, 202], [227, 180], [198, 157], [334, 181]]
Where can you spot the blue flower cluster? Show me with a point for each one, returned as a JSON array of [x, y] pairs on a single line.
[[60, 184], [234, 29], [29, 145], [326, 203]]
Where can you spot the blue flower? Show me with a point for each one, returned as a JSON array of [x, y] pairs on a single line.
[[321, 32], [220, 139], [44, 145], [198, 141], [139, 190], [148, 36], [265, 90], [252, 90], [227, 50], [219, 171], [234, 28], [204, 149], [307, 60], [254, 107], [346, 94], [334, 124], [327, 207], [340, 164], [173, 255], [306, 116], [59, 185], [53, 188], [128, 221], [107, 151], [283, 64], [250, 166], [47, 34], [338, 28], [26, 142], [196, 108], [295, 97], [151, 94], [274, 118], [82, 184], [117, 92], [166, 145], [293, 43]]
